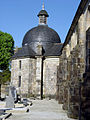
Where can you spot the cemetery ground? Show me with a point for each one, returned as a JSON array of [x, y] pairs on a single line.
[[40, 110]]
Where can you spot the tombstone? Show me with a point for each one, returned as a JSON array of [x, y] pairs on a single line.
[[11, 98], [9, 102], [13, 92]]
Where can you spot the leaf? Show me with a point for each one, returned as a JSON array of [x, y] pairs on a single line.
[[6, 50]]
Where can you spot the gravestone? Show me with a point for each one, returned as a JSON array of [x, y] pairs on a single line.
[[11, 98], [9, 102], [13, 93]]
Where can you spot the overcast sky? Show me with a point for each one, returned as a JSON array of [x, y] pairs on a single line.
[[18, 16]]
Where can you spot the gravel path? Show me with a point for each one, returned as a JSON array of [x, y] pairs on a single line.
[[42, 110]]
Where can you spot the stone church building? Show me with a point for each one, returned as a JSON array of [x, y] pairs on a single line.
[[45, 67], [34, 66]]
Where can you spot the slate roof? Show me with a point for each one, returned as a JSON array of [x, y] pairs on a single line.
[[43, 12], [26, 51], [54, 50], [42, 34]]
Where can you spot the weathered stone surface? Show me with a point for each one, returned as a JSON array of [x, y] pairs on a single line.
[[11, 98], [34, 71], [74, 61], [9, 102], [50, 76], [86, 85]]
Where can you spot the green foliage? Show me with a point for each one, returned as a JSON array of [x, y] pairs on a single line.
[[6, 50], [5, 76]]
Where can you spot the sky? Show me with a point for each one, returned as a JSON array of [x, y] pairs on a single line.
[[19, 16]]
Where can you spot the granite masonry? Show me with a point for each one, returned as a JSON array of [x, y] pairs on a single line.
[[73, 84]]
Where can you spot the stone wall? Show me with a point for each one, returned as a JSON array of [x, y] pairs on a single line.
[[72, 67], [32, 77], [27, 73], [86, 84], [38, 76], [50, 76]]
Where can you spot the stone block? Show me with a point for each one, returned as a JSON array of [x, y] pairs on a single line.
[[9, 102]]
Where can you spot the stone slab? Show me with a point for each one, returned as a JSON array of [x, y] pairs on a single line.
[[10, 102]]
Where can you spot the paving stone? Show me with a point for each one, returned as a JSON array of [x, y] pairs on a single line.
[[43, 110]]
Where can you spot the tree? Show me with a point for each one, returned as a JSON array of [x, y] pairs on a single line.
[[6, 51], [4, 76]]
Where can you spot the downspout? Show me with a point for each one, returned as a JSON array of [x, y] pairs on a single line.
[[42, 79]]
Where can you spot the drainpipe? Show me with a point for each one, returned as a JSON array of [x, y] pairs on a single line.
[[42, 79]]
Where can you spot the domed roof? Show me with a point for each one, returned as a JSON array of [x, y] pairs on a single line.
[[40, 40], [43, 12], [41, 34]]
